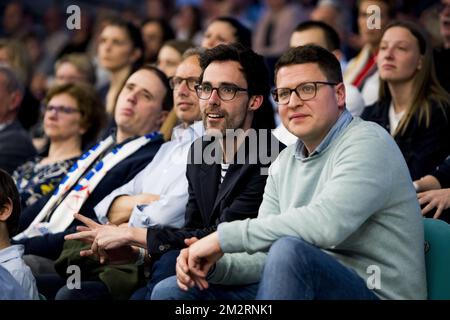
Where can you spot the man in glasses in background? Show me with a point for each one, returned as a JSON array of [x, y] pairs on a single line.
[[157, 193], [339, 217], [227, 168]]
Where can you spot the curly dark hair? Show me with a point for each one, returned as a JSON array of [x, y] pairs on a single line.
[[255, 72], [253, 65]]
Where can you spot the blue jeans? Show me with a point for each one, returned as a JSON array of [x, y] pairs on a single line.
[[90, 290], [162, 268], [169, 290], [297, 270]]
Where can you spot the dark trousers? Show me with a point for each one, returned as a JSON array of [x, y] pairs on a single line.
[[90, 290], [161, 269]]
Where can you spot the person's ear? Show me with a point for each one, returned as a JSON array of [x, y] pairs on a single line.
[[255, 102], [340, 95], [82, 130], [6, 210], [162, 117], [82, 127], [419, 64], [16, 99]]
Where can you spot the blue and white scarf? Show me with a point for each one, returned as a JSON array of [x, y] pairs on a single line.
[[70, 195]]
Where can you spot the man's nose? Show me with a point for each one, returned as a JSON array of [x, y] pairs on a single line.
[[294, 100], [183, 88], [214, 98]]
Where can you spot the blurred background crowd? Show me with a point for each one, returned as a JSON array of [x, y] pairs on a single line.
[[34, 34]]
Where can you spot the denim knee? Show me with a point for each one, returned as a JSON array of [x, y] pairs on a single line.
[[289, 252], [65, 294], [288, 246], [284, 243], [167, 289]]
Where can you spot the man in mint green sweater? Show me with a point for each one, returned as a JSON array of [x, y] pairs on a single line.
[[339, 217]]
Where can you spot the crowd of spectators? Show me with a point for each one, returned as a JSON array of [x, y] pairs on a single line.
[[89, 96]]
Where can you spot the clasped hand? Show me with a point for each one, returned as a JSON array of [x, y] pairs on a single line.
[[195, 261]]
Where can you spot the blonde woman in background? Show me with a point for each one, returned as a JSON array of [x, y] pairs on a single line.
[[412, 105]]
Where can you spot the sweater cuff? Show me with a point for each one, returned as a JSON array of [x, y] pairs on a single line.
[[230, 236], [211, 272]]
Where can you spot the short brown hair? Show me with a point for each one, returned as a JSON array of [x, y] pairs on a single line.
[[327, 62], [91, 109]]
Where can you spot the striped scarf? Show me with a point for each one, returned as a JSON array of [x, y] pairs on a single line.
[[360, 68], [77, 185]]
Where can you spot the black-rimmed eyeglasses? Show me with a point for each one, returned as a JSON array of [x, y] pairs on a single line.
[[225, 92], [305, 91], [175, 82]]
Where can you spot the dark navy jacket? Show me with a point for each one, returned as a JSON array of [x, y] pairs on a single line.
[[442, 173], [423, 148], [15, 147], [210, 202]]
